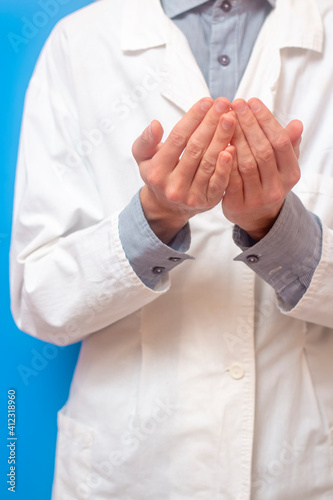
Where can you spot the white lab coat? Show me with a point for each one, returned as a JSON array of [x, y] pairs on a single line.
[[207, 387]]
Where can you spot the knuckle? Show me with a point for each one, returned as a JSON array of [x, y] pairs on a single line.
[[191, 202], [265, 154], [207, 166], [177, 139], [282, 143], [248, 167], [276, 195], [152, 177], [173, 194], [194, 150], [295, 177]]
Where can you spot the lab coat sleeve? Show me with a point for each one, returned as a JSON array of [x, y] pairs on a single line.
[[316, 304], [69, 274]]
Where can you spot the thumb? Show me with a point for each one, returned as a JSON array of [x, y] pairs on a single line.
[[295, 129], [146, 145]]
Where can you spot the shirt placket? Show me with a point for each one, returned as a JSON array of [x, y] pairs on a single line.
[[223, 69]]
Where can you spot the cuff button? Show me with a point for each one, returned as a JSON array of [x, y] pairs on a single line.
[[158, 269], [252, 259]]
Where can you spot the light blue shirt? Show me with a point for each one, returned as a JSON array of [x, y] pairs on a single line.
[[221, 34]]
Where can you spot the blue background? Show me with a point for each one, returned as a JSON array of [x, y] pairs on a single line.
[[39, 373]]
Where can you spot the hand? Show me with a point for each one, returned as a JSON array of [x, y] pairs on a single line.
[[264, 170], [188, 173]]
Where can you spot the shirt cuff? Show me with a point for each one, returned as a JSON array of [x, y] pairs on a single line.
[[287, 257], [149, 257]]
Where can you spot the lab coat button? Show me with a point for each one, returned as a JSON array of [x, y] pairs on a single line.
[[253, 259], [237, 371], [158, 269]]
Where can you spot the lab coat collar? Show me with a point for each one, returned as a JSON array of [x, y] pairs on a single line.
[[144, 26], [173, 7], [293, 23], [298, 24]]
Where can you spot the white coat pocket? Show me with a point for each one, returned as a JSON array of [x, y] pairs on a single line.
[[73, 459]]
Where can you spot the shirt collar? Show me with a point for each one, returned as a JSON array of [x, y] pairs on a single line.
[[173, 8], [294, 23]]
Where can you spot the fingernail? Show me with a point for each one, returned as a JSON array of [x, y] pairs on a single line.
[[150, 133], [206, 105], [240, 107], [255, 106], [227, 123], [225, 158], [220, 106]]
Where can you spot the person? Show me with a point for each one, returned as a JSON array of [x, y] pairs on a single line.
[[159, 218]]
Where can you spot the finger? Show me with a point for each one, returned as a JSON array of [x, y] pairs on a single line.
[[278, 137], [234, 192], [220, 179], [198, 144], [294, 130], [259, 145], [220, 140], [247, 165], [146, 145], [169, 154]]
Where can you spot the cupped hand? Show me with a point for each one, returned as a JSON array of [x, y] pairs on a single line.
[[265, 167], [189, 172]]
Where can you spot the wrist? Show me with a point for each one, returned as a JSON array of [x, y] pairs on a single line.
[[163, 221], [258, 234], [262, 226]]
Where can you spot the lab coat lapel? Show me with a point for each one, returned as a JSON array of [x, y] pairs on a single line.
[[183, 82], [146, 26], [286, 27]]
